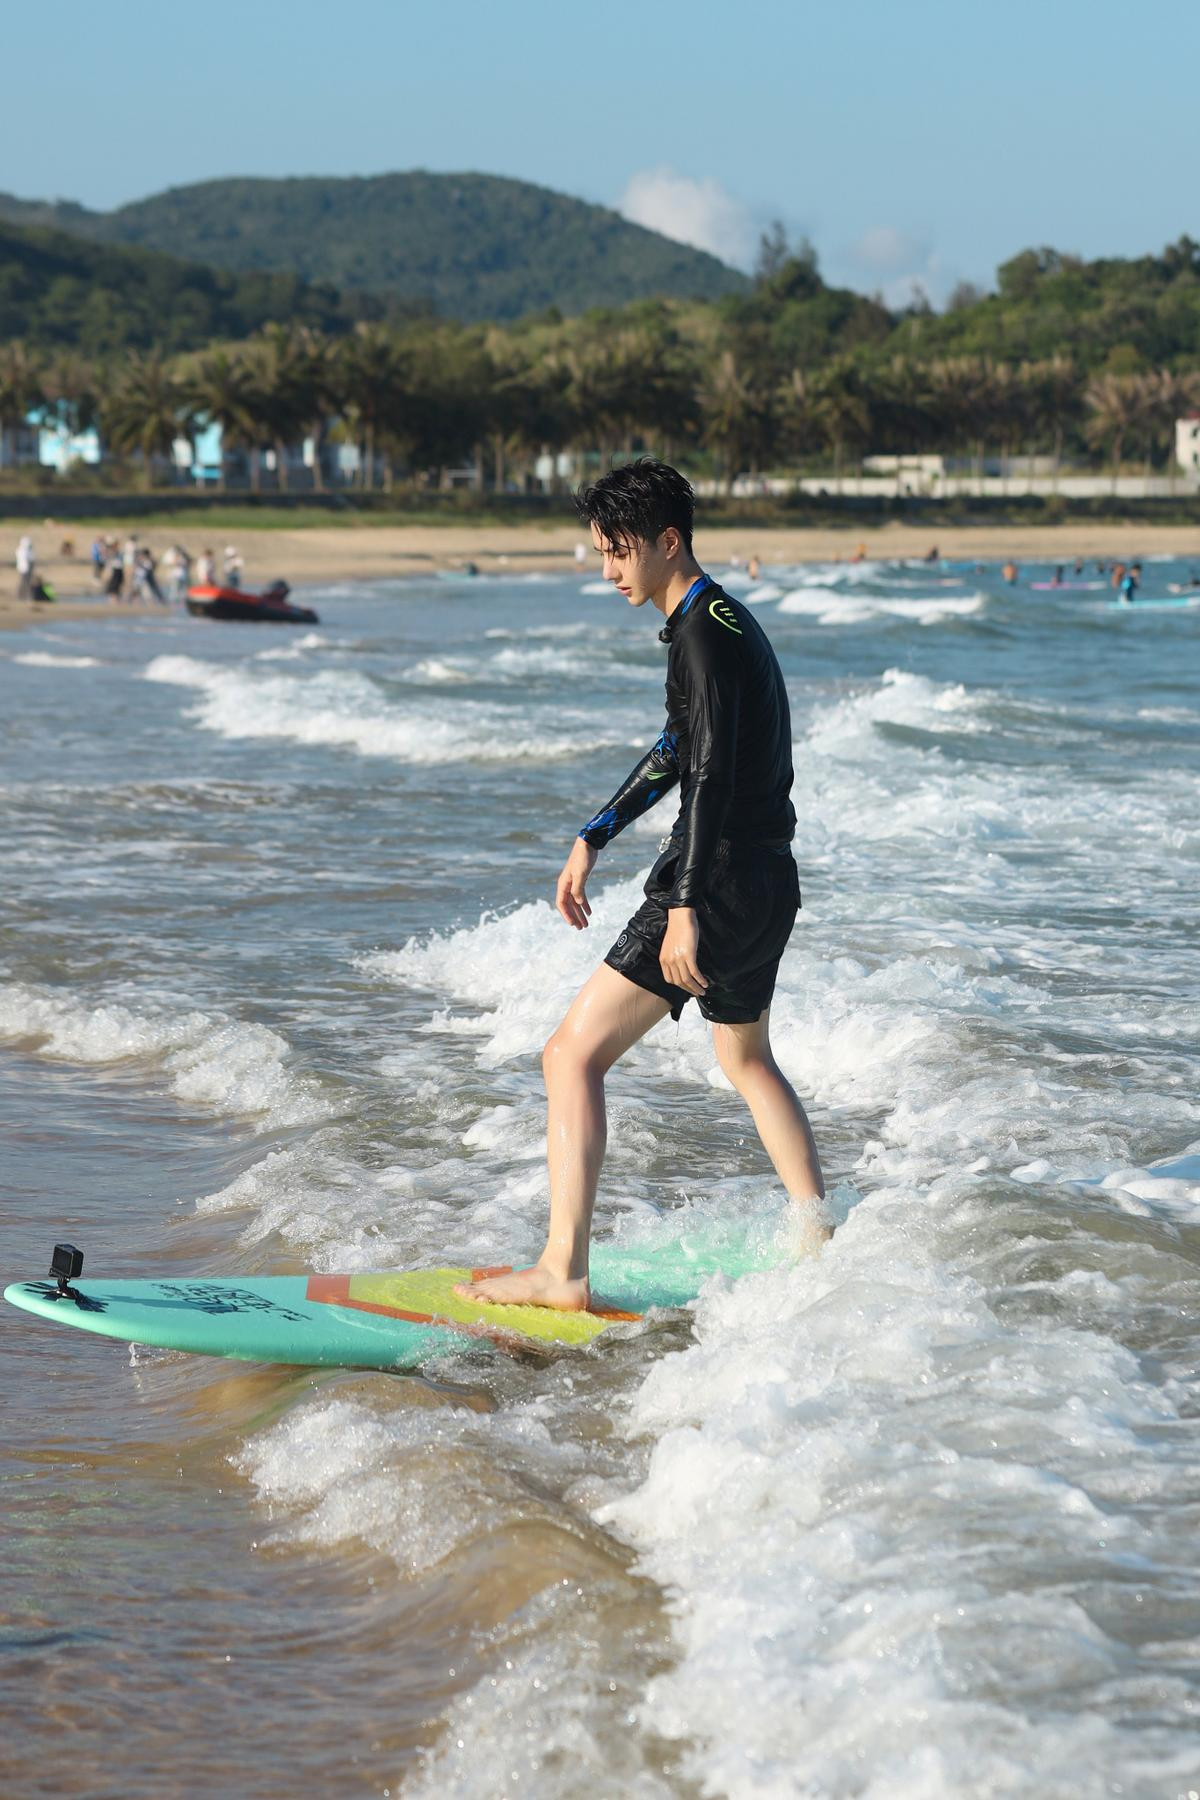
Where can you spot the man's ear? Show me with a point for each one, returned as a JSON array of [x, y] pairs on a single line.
[[670, 541]]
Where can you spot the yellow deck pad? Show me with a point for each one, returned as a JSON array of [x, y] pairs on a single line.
[[428, 1293]]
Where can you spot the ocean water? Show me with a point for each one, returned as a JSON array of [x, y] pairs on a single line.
[[915, 1518]]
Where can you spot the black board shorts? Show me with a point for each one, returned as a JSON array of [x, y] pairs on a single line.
[[745, 920]]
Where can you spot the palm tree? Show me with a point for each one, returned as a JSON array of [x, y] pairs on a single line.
[[70, 385], [371, 381], [957, 392], [223, 388], [903, 414], [20, 385], [1166, 396], [794, 414], [526, 407], [1112, 403], [145, 410], [1052, 402], [280, 362], [841, 412], [604, 388], [736, 410], [315, 371]]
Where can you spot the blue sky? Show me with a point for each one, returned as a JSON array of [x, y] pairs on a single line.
[[924, 141]]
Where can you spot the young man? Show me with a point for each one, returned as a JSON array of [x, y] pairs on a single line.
[[720, 900]]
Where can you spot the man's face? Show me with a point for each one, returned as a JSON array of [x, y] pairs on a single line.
[[639, 571]]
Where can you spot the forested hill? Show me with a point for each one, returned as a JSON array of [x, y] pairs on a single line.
[[470, 247], [59, 291]]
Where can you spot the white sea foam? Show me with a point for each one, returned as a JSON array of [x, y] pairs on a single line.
[[880, 1615], [831, 606], [347, 710], [46, 659], [228, 1066], [434, 670]]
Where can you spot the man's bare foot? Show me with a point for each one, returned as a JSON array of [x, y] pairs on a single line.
[[807, 1226], [528, 1287]]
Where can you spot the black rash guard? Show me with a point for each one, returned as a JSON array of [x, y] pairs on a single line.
[[727, 742]]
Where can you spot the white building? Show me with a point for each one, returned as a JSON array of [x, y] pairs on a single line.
[[1187, 445]]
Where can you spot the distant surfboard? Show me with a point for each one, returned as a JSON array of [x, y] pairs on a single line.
[[1141, 606]]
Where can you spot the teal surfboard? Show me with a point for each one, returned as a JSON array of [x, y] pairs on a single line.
[[371, 1321], [1141, 606]]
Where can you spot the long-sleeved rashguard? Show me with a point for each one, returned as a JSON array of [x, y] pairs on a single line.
[[727, 742]]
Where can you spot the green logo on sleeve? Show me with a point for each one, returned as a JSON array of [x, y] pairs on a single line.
[[724, 614]]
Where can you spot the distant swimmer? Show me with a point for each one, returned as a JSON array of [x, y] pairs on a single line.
[[1116, 575], [721, 898], [1009, 573], [860, 554], [933, 555], [1057, 580], [752, 568], [1131, 581]]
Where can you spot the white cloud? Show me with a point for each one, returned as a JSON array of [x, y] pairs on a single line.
[[895, 263], [888, 251], [700, 213]]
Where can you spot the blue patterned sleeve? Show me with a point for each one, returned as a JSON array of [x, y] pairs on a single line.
[[654, 776]]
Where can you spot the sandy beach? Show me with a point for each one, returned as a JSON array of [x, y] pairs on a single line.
[[319, 554]]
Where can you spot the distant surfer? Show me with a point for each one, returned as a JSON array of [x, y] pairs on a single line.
[[1131, 581], [720, 900]]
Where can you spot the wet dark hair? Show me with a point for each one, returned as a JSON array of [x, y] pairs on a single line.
[[636, 503]]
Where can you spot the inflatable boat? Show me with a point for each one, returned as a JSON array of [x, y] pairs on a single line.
[[271, 607]]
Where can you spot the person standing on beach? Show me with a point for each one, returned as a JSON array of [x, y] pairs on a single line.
[[26, 561], [181, 573], [720, 901]]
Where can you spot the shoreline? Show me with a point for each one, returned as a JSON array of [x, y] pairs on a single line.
[[318, 555]]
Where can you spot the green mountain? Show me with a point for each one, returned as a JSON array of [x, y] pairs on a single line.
[[62, 291], [471, 247]]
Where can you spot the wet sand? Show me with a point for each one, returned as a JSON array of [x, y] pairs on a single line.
[[362, 552]]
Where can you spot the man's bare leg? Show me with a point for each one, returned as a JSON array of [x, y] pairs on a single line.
[[744, 1053], [608, 1015]]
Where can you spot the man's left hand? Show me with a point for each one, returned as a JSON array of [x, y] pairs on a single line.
[[680, 948]]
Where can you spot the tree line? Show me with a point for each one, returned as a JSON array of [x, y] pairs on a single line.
[[793, 376]]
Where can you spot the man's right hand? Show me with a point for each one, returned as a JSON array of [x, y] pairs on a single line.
[[571, 898]]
